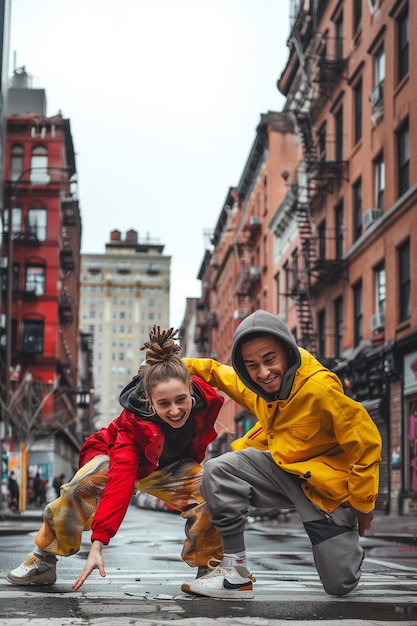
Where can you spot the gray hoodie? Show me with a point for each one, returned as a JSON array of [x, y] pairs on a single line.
[[262, 322]]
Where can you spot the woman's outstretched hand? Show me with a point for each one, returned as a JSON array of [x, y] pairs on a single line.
[[94, 561]]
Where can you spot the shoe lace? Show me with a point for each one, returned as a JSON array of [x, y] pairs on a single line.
[[32, 559], [215, 568]]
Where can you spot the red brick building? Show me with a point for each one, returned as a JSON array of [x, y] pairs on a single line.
[[337, 246], [238, 274], [41, 238]]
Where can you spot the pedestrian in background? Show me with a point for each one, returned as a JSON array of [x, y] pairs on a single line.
[[13, 488], [37, 489], [58, 481], [45, 483], [313, 448], [157, 445]]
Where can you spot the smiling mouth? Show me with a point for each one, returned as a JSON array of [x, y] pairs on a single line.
[[177, 419], [268, 381]]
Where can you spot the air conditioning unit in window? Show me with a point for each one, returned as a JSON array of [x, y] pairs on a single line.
[[370, 216], [378, 321], [376, 97]]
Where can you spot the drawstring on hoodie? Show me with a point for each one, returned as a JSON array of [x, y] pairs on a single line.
[[226, 429]]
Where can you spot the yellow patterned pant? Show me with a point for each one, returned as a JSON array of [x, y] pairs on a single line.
[[178, 485]]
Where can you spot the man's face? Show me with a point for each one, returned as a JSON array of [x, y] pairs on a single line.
[[266, 361]]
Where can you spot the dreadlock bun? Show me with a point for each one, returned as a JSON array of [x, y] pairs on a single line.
[[162, 362], [161, 346]]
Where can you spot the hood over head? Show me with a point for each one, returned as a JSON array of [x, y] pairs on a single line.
[[132, 398], [265, 323]]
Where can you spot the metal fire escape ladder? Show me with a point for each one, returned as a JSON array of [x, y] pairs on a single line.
[[242, 289], [302, 293]]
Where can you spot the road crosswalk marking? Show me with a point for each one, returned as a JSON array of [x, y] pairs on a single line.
[[380, 584]]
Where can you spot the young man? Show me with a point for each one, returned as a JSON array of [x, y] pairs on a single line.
[[312, 447]]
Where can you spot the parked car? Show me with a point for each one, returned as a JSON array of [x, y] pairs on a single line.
[[283, 515], [146, 501]]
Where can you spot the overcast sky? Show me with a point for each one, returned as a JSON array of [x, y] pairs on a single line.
[[163, 98]]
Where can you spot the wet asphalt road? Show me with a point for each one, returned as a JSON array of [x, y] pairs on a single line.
[[145, 572]]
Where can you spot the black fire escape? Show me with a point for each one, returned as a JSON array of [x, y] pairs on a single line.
[[249, 277], [321, 168]]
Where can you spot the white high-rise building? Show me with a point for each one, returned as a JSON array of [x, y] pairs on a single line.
[[124, 292]]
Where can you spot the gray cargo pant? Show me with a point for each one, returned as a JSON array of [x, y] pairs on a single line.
[[235, 480]]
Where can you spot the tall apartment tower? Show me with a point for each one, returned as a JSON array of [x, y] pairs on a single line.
[[124, 292]]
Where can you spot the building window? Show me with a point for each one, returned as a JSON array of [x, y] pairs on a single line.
[[35, 279], [404, 282], [357, 209], [321, 330], [321, 140], [376, 96], [357, 15], [294, 269], [339, 230], [39, 166], [265, 194], [379, 181], [32, 336], [379, 66], [357, 313], [358, 112], [403, 38], [36, 224], [338, 45], [403, 156], [16, 220], [338, 122], [338, 327], [16, 276], [286, 270], [16, 162], [380, 292], [277, 293], [321, 233], [14, 335]]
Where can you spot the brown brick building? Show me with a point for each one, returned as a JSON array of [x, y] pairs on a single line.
[[322, 228]]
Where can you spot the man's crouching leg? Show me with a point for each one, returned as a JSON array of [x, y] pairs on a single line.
[[337, 554]]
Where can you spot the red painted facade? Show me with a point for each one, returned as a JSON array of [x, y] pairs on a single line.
[[40, 291]]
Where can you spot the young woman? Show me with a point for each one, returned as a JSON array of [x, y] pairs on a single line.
[[156, 445]]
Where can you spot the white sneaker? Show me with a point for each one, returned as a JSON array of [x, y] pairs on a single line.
[[222, 582], [36, 570]]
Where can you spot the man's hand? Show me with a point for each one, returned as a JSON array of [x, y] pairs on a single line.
[[364, 520], [94, 561]]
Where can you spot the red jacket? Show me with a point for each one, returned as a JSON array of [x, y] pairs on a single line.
[[134, 446]]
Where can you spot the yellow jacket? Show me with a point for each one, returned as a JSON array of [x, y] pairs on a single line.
[[317, 433]]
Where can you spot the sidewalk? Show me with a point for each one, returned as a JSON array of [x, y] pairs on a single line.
[[19, 523], [400, 529]]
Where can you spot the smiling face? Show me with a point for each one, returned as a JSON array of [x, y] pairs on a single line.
[[172, 401], [266, 361]]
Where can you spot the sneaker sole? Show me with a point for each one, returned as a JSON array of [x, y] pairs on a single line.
[[41, 579], [221, 594]]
